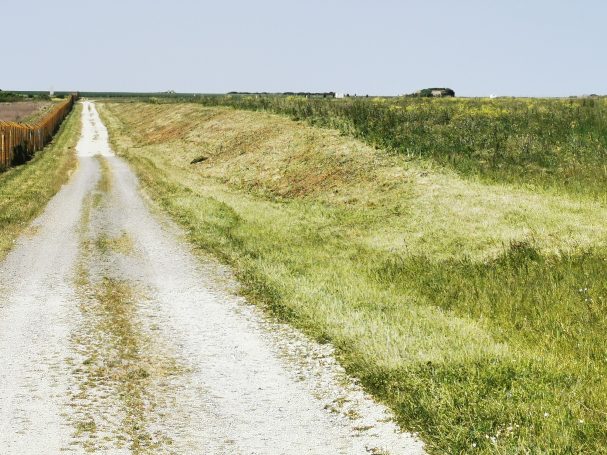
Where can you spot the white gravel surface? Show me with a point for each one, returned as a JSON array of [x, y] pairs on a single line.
[[219, 377]]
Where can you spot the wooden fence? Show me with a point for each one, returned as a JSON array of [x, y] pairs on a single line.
[[27, 138]]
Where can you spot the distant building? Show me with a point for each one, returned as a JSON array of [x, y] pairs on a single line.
[[340, 95]]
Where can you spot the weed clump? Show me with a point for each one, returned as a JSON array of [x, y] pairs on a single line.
[[199, 159]]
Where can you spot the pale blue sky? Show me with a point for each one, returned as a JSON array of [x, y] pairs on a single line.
[[476, 47]]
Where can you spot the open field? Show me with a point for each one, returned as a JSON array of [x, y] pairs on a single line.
[[25, 190], [24, 111], [465, 289]]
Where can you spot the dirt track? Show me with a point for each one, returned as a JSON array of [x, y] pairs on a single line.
[[120, 340]]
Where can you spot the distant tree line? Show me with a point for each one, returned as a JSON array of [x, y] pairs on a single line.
[[8, 97]]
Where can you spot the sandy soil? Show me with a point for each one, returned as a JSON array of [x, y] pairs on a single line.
[[120, 340]]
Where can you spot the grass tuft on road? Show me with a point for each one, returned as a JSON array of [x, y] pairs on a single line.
[[475, 310], [117, 367], [25, 190]]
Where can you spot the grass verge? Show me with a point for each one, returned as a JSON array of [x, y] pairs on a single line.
[[25, 190], [476, 311]]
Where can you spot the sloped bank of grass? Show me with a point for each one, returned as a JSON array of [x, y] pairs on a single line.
[[550, 143], [477, 312], [26, 189]]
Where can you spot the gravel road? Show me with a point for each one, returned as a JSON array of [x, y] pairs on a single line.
[[115, 338]]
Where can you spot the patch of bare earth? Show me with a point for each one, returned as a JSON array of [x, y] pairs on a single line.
[[23, 111]]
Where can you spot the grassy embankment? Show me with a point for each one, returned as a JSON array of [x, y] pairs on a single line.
[[474, 308], [25, 190], [552, 143]]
